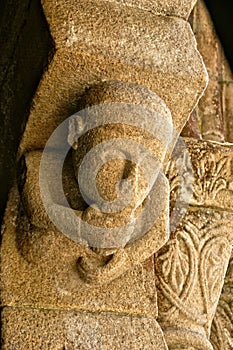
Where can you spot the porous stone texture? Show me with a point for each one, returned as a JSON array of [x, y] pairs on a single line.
[[72, 330], [189, 284], [141, 229], [221, 77], [177, 8], [92, 47], [212, 120], [35, 241], [43, 274]]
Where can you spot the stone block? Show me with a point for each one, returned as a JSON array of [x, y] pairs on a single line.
[[70, 73], [177, 8], [114, 43], [35, 329], [44, 274]]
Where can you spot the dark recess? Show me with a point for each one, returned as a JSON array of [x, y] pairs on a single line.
[[222, 15], [25, 46]]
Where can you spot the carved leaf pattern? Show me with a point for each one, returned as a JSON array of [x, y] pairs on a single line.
[[214, 274], [222, 328], [211, 177], [198, 256], [214, 260], [175, 267], [180, 172]]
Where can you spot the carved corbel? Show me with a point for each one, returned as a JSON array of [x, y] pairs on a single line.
[[138, 56], [116, 77], [130, 210]]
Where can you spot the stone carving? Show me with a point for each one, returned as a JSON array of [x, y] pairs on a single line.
[[117, 54], [211, 178], [111, 254], [126, 46], [222, 326], [197, 253], [211, 167], [76, 31], [190, 268]]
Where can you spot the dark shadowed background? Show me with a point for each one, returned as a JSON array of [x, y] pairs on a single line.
[[25, 44]]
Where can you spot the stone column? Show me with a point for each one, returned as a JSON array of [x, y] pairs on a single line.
[[212, 120], [190, 269], [140, 53]]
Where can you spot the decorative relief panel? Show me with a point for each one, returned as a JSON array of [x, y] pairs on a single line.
[[191, 267], [209, 175], [222, 326], [195, 260]]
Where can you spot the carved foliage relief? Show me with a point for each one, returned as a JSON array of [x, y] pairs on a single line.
[[190, 268], [222, 326]]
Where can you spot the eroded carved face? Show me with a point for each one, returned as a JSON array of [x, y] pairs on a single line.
[[113, 181], [112, 196]]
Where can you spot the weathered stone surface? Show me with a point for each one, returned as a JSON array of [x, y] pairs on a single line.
[[64, 84], [209, 109], [49, 277], [191, 267], [178, 8], [227, 100], [71, 330], [123, 258], [189, 281], [222, 326], [137, 229], [42, 268], [211, 171], [154, 51], [192, 127], [190, 272], [132, 36]]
